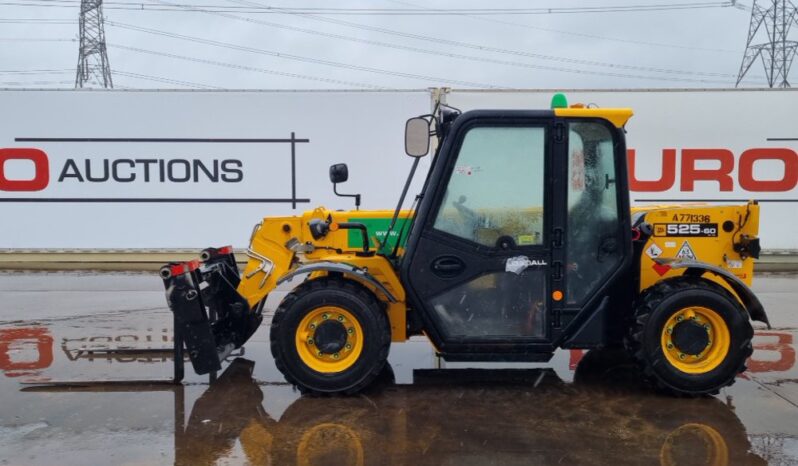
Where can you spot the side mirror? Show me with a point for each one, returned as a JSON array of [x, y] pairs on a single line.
[[417, 137], [339, 173]]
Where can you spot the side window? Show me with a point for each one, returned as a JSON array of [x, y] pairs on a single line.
[[592, 249], [495, 193]]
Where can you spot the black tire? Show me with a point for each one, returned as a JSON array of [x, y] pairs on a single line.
[[360, 303], [657, 304]]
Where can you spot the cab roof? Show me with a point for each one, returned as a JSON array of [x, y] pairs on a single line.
[[616, 116]]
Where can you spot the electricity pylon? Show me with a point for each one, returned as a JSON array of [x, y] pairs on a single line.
[[93, 65], [770, 27]]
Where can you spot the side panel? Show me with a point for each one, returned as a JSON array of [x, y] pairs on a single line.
[[268, 258], [700, 233], [270, 239]]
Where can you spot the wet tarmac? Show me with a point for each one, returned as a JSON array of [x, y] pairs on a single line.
[[580, 408]]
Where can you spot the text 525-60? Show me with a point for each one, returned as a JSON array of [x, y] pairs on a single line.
[[686, 229]]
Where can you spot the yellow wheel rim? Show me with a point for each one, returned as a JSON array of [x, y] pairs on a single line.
[[330, 440], [717, 452], [329, 362], [709, 357]]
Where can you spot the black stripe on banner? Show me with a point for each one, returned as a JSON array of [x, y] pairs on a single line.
[[715, 200], [183, 140], [165, 200]]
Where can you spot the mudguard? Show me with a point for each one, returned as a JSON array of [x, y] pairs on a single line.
[[357, 273], [696, 269]]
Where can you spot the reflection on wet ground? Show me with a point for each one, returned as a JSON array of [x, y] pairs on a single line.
[[581, 408], [466, 417]]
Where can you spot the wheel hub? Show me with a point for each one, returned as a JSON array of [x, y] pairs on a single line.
[[690, 337], [695, 339], [330, 337]]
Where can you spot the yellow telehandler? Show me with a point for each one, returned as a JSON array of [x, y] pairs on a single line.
[[521, 241]]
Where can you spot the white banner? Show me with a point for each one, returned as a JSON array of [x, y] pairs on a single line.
[[697, 145], [168, 169], [188, 169]]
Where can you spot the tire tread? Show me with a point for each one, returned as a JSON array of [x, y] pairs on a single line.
[[648, 301], [350, 287]]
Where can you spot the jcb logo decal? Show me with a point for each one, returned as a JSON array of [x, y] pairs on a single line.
[[41, 177]]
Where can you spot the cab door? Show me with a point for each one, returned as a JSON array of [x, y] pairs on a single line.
[[479, 260]]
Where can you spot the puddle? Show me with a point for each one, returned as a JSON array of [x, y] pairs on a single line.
[[580, 408]]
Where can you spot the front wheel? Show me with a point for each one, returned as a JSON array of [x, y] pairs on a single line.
[[690, 336], [330, 336]]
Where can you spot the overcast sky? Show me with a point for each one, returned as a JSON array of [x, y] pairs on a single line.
[[246, 49]]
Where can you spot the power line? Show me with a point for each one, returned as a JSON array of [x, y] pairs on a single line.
[[164, 80], [178, 7], [586, 35], [304, 59], [461, 12], [410, 48], [502, 51], [35, 72], [438, 40], [144, 6], [31, 39], [35, 83], [495, 50], [243, 67], [37, 21], [457, 12], [254, 50]]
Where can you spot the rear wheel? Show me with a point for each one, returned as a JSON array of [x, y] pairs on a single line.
[[690, 336], [330, 336]]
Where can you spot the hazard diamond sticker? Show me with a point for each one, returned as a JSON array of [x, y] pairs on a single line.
[[653, 251], [685, 252]]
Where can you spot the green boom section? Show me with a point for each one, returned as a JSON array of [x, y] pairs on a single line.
[[377, 228]]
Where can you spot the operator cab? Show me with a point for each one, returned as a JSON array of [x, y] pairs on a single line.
[[521, 234]]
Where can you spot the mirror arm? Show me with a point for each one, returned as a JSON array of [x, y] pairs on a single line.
[[356, 196]]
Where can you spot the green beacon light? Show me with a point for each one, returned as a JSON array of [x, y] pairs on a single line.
[[559, 101]]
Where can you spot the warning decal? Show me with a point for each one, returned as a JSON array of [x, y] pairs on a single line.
[[653, 251], [685, 252], [734, 264]]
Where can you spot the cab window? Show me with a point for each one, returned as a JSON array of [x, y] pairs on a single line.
[[593, 240], [495, 192]]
